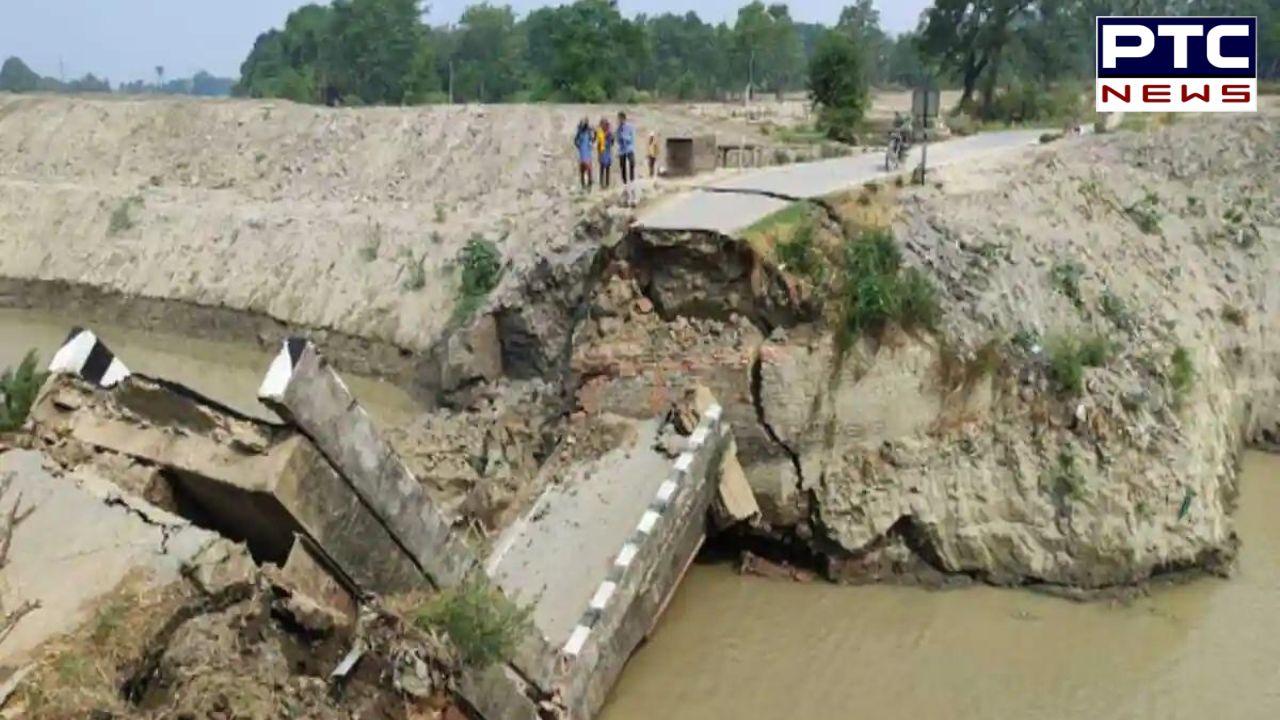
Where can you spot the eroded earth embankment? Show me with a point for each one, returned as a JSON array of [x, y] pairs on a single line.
[[1105, 349]]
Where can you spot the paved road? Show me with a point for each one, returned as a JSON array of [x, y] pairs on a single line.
[[735, 203], [558, 554]]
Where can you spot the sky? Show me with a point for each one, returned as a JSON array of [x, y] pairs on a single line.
[[125, 40]]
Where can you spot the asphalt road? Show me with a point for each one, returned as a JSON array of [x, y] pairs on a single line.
[[737, 202]]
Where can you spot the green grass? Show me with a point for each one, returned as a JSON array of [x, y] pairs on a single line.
[[1146, 213], [1114, 309], [372, 243], [483, 624], [481, 264], [875, 289], [122, 216], [1234, 315], [1065, 277], [780, 223], [1182, 374], [1069, 356], [800, 135], [18, 390], [1065, 479], [415, 272], [798, 254]]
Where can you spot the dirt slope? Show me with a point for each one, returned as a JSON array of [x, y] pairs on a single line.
[[313, 216]]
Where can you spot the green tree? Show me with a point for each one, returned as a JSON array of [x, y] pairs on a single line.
[[767, 48], [373, 48], [838, 84], [584, 51], [966, 38], [861, 22], [489, 54], [16, 77], [688, 56]]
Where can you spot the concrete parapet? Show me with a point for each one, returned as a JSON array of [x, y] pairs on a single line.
[[645, 572], [307, 392]]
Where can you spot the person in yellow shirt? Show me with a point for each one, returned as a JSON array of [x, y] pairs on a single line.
[[653, 154]]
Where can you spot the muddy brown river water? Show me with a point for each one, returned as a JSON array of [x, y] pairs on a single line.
[[748, 648], [227, 372]]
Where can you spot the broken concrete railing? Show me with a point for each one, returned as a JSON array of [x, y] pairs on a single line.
[[645, 572], [304, 390]]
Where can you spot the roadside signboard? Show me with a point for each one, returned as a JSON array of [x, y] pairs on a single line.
[[925, 102]]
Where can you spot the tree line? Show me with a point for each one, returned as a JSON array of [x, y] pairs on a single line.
[[381, 52], [16, 76], [1002, 54]]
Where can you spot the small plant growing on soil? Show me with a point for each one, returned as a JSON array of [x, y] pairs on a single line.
[[483, 624], [1146, 213], [372, 243], [799, 254], [876, 289], [122, 217], [481, 264], [1065, 480], [1065, 277], [1115, 310], [18, 389], [441, 215], [415, 273], [1233, 315], [1182, 374], [1069, 356]]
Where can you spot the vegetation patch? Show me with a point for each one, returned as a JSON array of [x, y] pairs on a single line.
[[1116, 310], [1066, 482], [122, 216], [479, 620], [372, 243], [1146, 213], [414, 271], [18, 389], [875, 289], [1234, 315], [1069, 356], [1065, 277], [1182, 374], [481, 264]]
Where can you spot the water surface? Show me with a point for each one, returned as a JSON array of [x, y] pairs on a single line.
[[227, 372], [749, 648]]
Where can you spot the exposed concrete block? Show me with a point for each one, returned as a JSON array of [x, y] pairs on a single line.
[[497, 693], [305, 390], [735, 500], [258, 485], [115, 538]]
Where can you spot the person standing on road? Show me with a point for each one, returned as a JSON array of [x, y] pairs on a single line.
[[604, 146], [584, 141], [626, 149], [653, 155]]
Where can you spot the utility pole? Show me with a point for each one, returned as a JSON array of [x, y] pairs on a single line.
[[450, 81]]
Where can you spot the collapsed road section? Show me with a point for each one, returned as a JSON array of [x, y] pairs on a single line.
[[321, 497]]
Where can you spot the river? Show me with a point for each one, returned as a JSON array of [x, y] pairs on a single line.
[[747, 648], [227, 372]]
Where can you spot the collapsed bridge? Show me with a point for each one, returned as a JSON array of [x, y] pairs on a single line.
[[322, 493]]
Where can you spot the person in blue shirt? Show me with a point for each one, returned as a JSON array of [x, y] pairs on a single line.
[[626, 148], [584, 141]]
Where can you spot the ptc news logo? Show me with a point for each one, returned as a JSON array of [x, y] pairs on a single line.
[[1183, 64]]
